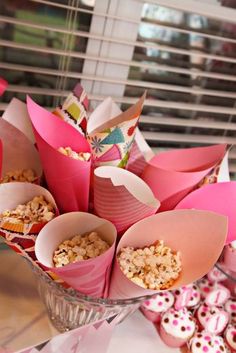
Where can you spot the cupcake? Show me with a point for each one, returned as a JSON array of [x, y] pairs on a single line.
[[218, 296], [156, 305], [192, 301], [230, 307], [229, 256], [205, 286], [177, 327], [230, 337], [204, 342], [215, 275], [205, 314]]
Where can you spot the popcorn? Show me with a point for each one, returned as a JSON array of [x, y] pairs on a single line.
[[26, 175], [35, 211], [67, 151], [155, 267], [79, 248]]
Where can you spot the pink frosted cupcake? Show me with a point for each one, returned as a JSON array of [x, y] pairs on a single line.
[[206, 314], [205, 287], [230, 337], [229, 256], [177, 327], [158, 304], [218, 296], [191, 302], [230, 307], [205, 342], [216, 275]]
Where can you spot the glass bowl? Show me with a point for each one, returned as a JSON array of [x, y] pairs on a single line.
[[69, 309]]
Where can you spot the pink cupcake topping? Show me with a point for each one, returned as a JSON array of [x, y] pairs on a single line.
[[230, 336], [179, 323], [208, 343], [160, 302]]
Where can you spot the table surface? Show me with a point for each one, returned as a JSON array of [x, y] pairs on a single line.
[[24, 322]]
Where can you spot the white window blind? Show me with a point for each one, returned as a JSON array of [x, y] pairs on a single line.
[[183, 52]]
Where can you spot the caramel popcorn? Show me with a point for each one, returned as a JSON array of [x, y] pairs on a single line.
[[67, 151], [155, 267], [35, 211], [26, 175], [80, 247]]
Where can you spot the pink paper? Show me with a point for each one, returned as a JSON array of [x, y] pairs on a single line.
[[172, 175], [122, 197], [88, 276], [198, 235], [68, 179], [17, 150], [220, 198], [16, 114]]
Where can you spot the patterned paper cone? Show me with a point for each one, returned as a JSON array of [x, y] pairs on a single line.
[[74, 110], [18, 152], [68, 179], [192, 233], [122, 197], [16, 114], [111, 132], [220, 198], [21, 237], [88, 276], [173, 174]]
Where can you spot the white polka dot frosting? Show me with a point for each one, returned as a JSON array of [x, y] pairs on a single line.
[[205, 286], [160, 302], [230, 336], [205, 342], [178, 323], [194, 298]]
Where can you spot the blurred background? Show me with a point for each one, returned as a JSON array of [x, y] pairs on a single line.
[[182, 52]]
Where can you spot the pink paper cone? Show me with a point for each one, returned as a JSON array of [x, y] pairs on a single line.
[[174, 174], [198, 235], [88, 276], [21, 237], [18, 152], [122, 197], [111, 132], [220, 198], [16, 114], [68, 179]]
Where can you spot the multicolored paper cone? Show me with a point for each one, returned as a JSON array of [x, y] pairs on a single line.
[[16, 114], [111, 132], [74, 110], [88, 276], [173, 174], [122, 197], [220, 198], [68, 179], [21, 236], [18, 151], [199, 236]]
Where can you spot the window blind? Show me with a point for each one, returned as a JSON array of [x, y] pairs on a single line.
[[182, 52]]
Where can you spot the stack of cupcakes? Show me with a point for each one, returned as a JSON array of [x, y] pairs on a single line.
[[201, 316]]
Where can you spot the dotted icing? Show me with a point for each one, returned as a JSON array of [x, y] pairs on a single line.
[[160, 302], [230, 307], [230, 336], [179, 324], [205, 312], [195, 297], [205, 342]]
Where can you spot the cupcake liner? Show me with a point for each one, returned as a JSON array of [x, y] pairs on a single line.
[[88, 276], [21, 236], [111, 132], [68, 179], [192, 233], [220, 198], [16, 114], [18, 152], [122, 197], [173, 174]]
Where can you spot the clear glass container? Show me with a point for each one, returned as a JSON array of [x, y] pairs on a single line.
[[69, 309]]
